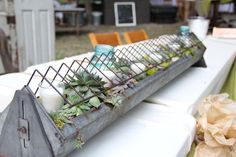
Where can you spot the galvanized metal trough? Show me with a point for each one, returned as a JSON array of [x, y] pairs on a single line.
[[27, 130]]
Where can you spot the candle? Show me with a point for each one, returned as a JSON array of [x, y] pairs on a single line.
[[156, 57], [199, 26], [138, 68], [107, 75], [51, 100], [174, 59]]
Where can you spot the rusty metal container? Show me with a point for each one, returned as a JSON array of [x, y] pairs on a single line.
[[27, 130]]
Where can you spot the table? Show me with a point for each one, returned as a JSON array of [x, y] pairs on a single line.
[[147, 130], [230, 41], [72, 11]]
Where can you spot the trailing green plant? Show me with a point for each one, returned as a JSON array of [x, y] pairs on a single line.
[[78, 143], [151, 71], [189, 51], [165, 64], [59, 119], [167, 50]]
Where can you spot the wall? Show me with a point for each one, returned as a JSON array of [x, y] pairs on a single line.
[[3, 19], [142, 11], [9, 28]]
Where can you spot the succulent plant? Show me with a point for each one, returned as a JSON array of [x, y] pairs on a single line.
[[122, 65], [87, 85], [83, 90], [151, 71], [121, 62], [189, 51], [120, 84], [171, 51], [84, 79], [117, 89], [87, 92]]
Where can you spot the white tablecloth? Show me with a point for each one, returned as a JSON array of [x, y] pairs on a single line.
[[56, 64], [185, 92], [231, 41], [9, 83], [147, 130], [6, 96]]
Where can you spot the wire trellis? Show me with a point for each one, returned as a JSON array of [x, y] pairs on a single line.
[[150, 53]]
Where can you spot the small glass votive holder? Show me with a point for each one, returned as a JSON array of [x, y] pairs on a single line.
[[50, 98], [103, 56]]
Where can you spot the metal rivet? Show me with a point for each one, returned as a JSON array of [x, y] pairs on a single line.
[[23, 130]]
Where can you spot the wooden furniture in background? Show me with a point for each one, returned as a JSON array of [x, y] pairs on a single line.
[[88, 8], [215, 5], [135, 36], [69, 27], [142, 8], [5, 55], [105, 38], [186, 8]]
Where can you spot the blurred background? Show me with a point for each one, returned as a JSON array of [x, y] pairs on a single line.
[[34, 32]]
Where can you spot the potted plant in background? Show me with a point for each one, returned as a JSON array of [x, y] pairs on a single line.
[[203, 6], [199, 24]]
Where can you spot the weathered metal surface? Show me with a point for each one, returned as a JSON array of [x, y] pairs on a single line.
[[90, 124], [3, 116], [22, 134]]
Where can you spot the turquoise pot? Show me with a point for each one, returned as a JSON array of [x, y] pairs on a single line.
[[184, 30], [103, 56], [102, 49]]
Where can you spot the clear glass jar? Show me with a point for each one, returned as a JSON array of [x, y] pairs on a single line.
[[103, 56], [184, 35]]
